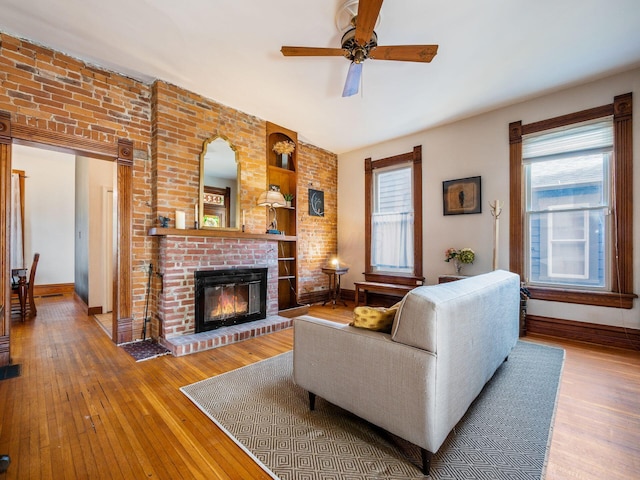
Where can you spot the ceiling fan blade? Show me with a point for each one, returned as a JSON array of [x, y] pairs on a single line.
[[405, 53], [368, 11], [352, 84], [312, 52]]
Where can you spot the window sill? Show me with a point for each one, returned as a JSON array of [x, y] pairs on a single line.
[[601, 299]]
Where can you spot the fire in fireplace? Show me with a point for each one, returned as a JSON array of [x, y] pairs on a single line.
[[228, 297]]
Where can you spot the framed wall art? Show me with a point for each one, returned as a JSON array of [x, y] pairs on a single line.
[[316, 203], [461, 196]]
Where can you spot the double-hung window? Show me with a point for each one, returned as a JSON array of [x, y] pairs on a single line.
[[392, 220], [571, 205], [567, 205], [393, 217]]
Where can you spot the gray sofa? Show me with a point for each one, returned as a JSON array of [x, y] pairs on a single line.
[[417, 381]]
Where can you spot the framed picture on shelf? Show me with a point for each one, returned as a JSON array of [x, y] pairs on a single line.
[[461, 196], [211, 221]]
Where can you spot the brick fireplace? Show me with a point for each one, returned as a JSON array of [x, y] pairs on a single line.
[[180, 256], [229, 297]]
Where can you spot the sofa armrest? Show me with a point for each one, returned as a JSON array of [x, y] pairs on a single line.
[[366, 373]]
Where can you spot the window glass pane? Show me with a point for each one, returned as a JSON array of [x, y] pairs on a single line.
[[568, 259], [392, 247], [568, 226], [392, 220], [567, 200], [568, 248], [393, 190], [565, 181]]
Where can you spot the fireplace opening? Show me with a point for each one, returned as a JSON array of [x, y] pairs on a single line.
[[229, 297]]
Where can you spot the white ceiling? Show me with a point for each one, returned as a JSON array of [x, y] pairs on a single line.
[[492, 53]]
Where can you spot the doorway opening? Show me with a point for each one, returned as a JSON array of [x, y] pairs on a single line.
[[68, 218]]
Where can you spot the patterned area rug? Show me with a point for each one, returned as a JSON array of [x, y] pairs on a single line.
[[144, 349], [504, 435]]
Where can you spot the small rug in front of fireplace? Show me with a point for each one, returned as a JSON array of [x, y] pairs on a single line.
[[144, 349], [10, 371]]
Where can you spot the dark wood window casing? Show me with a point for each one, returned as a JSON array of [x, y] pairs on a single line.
[[414, 157], [621, 294]]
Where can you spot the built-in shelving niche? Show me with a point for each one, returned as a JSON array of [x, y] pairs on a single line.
[[282, 174]]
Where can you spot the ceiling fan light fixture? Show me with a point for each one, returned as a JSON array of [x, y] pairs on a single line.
[[356, 52], [359, 55]]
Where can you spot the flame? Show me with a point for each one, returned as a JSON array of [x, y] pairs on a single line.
[[228, 305]]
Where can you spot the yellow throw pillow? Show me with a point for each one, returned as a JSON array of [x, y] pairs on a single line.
[[379, 319]]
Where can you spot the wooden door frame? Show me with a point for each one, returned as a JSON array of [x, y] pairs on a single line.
[[121, 153]]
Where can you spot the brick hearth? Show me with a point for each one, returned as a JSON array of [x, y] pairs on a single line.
[[198, 342]]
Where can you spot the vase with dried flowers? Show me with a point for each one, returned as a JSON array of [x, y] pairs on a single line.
[[459, 257], [284, 148]]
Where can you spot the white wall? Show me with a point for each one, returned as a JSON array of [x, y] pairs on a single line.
[[101, 179], [479, 146], [93, 231], [49, 206]]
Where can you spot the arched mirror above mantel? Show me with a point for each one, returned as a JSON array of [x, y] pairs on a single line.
[[218, 205]]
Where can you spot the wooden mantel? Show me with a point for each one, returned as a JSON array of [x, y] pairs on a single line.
[[218, 233]]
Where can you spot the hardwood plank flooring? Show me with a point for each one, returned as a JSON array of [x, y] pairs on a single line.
[[83, 408]]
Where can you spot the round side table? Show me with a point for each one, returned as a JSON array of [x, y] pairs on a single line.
[[334, 284]]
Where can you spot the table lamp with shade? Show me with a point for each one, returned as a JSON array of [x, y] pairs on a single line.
[[273, 200]]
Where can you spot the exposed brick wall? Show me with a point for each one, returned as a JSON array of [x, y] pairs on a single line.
[[317, 236], [183, 121], [54, 92], [180, 257]]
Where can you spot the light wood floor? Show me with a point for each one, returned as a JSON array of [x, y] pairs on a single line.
[[83, 408]]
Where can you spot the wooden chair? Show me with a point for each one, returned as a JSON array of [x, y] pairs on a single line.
[[31, 305]]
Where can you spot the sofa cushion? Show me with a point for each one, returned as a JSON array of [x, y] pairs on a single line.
[[379, 319]]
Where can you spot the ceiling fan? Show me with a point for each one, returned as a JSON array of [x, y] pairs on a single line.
[[360, 42]]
